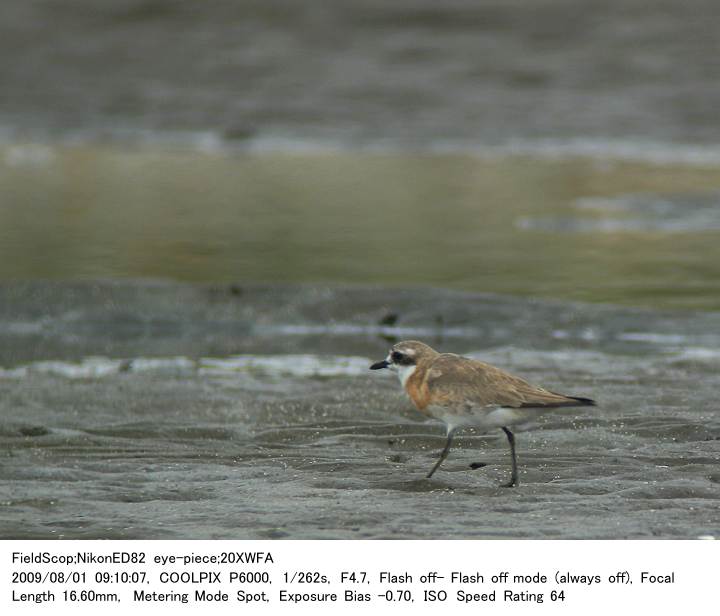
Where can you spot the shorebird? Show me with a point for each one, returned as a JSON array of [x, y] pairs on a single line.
[[461, 391]]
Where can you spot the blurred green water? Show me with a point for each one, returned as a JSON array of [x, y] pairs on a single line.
[[455, 221]]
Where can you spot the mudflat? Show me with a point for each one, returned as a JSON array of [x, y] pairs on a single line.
[[165, 410]]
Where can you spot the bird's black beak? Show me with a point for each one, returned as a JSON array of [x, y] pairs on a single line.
[[379, 365]]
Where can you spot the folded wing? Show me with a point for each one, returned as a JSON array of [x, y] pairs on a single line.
[[453, 381]]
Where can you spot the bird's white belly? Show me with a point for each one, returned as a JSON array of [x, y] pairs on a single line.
[[484, 418]]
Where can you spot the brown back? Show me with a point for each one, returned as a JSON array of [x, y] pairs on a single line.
[[452, 380]]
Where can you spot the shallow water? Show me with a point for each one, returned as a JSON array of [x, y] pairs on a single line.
[[155, 410], [600, 230]]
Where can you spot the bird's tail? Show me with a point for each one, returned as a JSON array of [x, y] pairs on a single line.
[[561, 401], [583, 401]]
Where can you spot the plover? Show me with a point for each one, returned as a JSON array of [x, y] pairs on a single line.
[[465, 392]]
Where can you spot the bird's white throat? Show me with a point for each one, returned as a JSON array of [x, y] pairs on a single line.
[[405, 372]]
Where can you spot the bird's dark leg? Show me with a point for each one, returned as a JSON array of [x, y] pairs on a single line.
[[445, 452], [514, 477]]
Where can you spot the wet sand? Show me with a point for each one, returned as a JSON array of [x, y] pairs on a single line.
[[417, 73], [159, 410]]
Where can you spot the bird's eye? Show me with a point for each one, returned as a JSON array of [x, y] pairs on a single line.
[[397, 356]]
